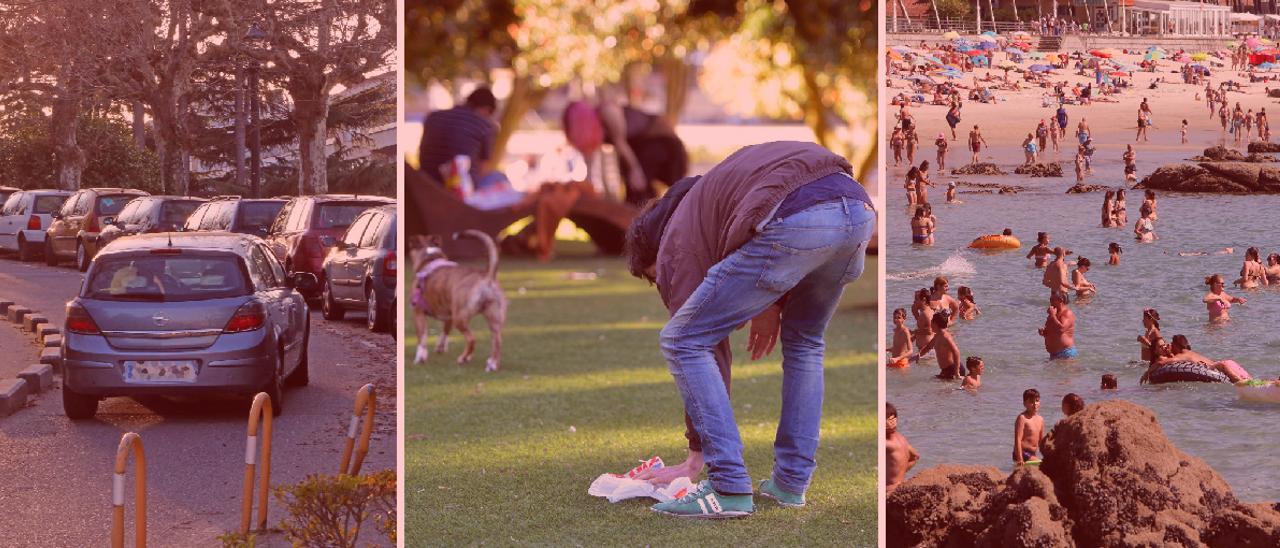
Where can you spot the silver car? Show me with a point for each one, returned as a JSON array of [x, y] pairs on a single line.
[[182, 313]]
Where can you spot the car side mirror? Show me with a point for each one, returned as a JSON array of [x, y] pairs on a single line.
[[304, 282], [56, 215], [328, 241], [108, 221]]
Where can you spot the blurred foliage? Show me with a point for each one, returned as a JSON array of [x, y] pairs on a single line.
[[112, 160], [956, 9], [327, 510]]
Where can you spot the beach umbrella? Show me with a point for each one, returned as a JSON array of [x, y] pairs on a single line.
[[986, 38], [902, 49], [1201, 56], [1251, 42], [1266, 66], [989, 33], [1040, 68], [1118, 74], [974, 53], [920, 78], [1007, 64], [933, 59], [950, 35], [1156, 54]]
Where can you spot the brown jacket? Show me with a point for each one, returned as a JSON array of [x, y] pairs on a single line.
[[722, 211]]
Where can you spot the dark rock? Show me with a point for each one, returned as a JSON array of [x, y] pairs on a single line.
[[1200, 178], [1053, 169], [1110, 478], [1264, 146], [988, 188], [981, 168], [1220, 154], [1274, 93], [1081, 189]]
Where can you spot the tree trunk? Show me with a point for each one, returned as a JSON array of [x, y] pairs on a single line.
[[139, 124], [525, 95], [991, 12], [816, 111], [311, 123], [936, 16], [677, 73], [69, 157], [241, 123]]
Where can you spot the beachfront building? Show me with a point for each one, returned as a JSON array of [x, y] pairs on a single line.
[[1164, 18]]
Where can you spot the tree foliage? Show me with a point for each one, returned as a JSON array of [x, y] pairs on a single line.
[[27, 154]]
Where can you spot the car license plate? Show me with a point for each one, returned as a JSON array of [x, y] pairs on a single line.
[[160, 371]]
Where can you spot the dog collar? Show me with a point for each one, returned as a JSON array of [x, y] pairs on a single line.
[[434, 265]]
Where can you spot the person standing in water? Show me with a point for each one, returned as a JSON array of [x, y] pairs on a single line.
[[922, 183], [1108, 209], [896, 143], [1059, 328], [1217, 301], [1055, 273], [924, 318], [1027, 429], [1252, 273], [1145, 230], [1084, 287], [1041, 250], [1114, 250], [899, 455], [976, 142], [1151, 339], [943, 146], [922, 226], [1120, 212], [1130, 158]]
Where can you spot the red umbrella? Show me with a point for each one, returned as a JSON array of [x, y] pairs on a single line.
[[1118, 74], [976, 53], [1099, 53]]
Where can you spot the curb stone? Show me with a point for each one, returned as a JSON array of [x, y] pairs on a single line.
[[45, 330], [16, 313], [39, 377], [53, 357], [13, 396], [4, 306], [33, 321], [52, 341]]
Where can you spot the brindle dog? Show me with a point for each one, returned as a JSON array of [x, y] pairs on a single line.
[[454, 294]]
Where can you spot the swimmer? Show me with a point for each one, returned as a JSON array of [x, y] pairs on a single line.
[[899, 455], [1180, 351], [1120, 217], [1151, 339], [1273, 268], [1149, 201], [1252, 273], [1115, 251], [1083, 287], [1059, 328], [943, 146], [1217, 300], [922, 227], [973, 380], [1108, 381], [945, 349], [1108, 209], [909, 185], [941, 302], [902, 348], [1041, 250], [968, 307], [924, 318], [951, 193], [1072, 404], [1027, 428], [1055, 273], [1144, 230]]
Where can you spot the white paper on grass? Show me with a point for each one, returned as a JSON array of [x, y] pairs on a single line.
[[615, 488]]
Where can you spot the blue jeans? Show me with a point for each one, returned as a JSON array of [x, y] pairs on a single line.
[[809, 255]]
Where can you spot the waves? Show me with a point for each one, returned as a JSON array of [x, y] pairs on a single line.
[[954, 265]]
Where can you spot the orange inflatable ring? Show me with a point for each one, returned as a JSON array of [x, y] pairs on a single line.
[[995, 241]]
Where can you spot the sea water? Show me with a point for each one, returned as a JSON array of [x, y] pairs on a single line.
[[1238, 439]]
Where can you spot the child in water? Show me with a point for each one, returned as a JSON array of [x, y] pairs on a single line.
[[1108, 381], [1184, 132], [1151, 339], [951, 193], [1115, 251], [1083, 287], [973, 380], [900, 352], [1072, 404], [1027, 429], [1041, 251], [968, 308], [944, 349]]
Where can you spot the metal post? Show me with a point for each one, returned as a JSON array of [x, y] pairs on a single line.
[[255, 133], [130, 442], [259, 412], [366, 401]]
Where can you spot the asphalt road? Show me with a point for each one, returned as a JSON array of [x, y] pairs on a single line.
[[55, 474]]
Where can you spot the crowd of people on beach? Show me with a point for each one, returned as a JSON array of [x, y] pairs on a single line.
[[935, 313]]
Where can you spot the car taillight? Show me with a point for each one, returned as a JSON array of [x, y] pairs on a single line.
[[166, 251], [248, 317], [79, 321], [92, 224], [389, 265], [33, 223]]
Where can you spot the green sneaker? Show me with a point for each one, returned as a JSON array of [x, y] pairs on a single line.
[[705, 503], [771, 490]]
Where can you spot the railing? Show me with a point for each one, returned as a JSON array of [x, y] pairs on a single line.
[[928, 24]]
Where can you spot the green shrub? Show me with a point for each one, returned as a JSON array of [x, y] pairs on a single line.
[[328, 510]]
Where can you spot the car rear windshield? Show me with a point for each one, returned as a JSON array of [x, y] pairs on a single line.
[[48, 203], [112, 204], [257, 216], [175, 212], [340, 214], [167, 278]]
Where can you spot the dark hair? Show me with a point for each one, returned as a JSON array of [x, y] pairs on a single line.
[[1030, 394], [1007, 232], [972, 360], [1042, 236], [897, 310], [1061, 296], [1073, 403], [1155, 316], [1115, 247], [964, 291], [923, 293], [1082, 262], [1108, 381], [924, 167], [890, 410], [645, 233], [940, 318], [1210, 280], [1253, 251], [482, 97], [1181, 340]]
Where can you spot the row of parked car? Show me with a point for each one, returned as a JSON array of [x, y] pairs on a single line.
[[346, 241]]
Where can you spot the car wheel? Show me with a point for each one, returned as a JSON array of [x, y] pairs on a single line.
[[302, 375], [274, 387], [330, 308], [78, 406], [25, 251], [82, 257], [50, 258], [377, 320]]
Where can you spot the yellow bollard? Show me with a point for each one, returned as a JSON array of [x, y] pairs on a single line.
[[129, 442], [366, 401], [261, 409]]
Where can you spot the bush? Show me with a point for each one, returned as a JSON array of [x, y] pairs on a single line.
[[111, 157], [958, 9], [328, 510]]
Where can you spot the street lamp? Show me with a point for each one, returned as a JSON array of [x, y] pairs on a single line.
[[257, 40]]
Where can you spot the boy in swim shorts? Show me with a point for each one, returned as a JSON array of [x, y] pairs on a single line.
[[1108, 381], [1027, 428], [900, 352], [944, 347], [973, 380]]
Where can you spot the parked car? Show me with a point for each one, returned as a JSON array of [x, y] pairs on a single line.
[[296, 233], [180, 313], [236, 214], [73, 234], [360, 269], [6, 192], [24, 218], [148, 214]]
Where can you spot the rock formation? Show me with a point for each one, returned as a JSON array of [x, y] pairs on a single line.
[[1221, 177], [1109, 478], [981, 168], [1052, 169], [1081, 189]]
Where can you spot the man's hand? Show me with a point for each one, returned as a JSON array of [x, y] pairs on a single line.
[[764, 332], [691, 468]]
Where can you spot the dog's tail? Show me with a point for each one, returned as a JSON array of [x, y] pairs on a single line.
[[491, 247]]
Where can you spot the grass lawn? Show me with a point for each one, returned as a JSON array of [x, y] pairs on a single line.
[[506, 458]]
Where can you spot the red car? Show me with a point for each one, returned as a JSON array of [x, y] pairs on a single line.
[[296, 233]]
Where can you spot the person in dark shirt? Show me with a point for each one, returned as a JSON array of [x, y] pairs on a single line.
[[462, 130]]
